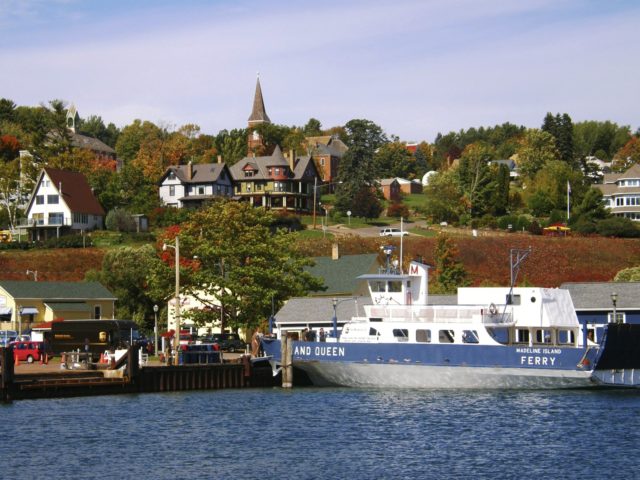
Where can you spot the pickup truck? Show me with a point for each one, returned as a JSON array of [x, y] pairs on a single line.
[[393, 232]]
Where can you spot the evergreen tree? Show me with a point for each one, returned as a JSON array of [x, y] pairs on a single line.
[[357, 170]]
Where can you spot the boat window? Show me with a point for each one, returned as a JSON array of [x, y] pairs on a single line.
[[373, 332], [402, 334], [522, 335], [395, 286], [423, 336], [513, 299], [566, 337], [375, 319], [500, 335], [470, 336], [446, 336], [377, 286], [543, 336]]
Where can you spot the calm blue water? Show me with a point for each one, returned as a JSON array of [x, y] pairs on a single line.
[[325, 433]]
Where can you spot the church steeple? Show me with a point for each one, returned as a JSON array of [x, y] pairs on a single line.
[[72, 118], [258, 116]]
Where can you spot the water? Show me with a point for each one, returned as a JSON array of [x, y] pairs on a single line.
[[325, 434]]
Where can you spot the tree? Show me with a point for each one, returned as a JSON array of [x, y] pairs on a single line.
[[94, 127], [444, 196], [313, 128], [475, 177], [11, 190], [549, 187], [423, 158], [242, 263], [232, 145], [394, 160], [627, 156], [561, 127], [357, 170], [449, 272], [132, 275], [589, 212], [599, 139], [535, 150]]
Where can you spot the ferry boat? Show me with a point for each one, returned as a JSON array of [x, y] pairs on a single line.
[[511, 337]]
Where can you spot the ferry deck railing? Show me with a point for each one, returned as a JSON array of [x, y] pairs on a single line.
[[439, 314]]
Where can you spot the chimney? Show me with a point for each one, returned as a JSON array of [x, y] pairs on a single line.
[[292, 160], [189, 171], [335, 253], [219, 158]]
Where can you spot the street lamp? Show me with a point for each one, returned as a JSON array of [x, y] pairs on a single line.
[[155, 329], [315, 194], [614, 300], [176, 340], [335, 302]]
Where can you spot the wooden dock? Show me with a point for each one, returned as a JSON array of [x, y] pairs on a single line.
[[132, 379]]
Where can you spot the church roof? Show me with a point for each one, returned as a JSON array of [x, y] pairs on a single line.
[[258, 114]]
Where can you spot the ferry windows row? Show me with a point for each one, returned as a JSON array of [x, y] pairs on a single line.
[[393, 286], [543, 336]]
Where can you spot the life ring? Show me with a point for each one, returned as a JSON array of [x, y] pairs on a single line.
[[493, 309]]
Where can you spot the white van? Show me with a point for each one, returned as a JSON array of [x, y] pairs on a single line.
[[392, 232]]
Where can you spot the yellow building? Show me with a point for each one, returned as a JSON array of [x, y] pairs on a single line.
[[23, 303]]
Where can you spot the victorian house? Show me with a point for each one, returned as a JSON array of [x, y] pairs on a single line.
[[276, 181], [192, 185], [621, 193]]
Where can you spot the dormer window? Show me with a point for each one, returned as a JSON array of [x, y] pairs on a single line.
[[248, 173], [172, 175]]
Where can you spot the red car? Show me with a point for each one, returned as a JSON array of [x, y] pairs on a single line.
[[27, 351]]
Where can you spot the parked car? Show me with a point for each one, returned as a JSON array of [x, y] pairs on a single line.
[[230, 342], [393, 232], [7, 336], [27, 351]]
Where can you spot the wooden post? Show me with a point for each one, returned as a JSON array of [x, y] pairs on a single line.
[[286, 351]]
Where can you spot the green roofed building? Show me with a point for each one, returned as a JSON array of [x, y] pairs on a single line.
[[340, 273], [23, 303]]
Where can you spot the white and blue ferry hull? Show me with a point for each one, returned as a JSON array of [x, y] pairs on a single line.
[[440, 366]]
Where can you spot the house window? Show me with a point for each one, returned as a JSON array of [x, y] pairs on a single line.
[[619, 201], [52, 199], [277, 171], [56, 218], [39, 199], [248, 173], [322, 162], [172, 190], [97, 312], [200, 190], [81, 218], [172, 175], [620, 317]]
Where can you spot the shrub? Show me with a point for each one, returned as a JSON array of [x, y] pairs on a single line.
[[68, 241], [119, 220], [167, 216], [291, 223], [617, 227], [535, 228], [397, 210]]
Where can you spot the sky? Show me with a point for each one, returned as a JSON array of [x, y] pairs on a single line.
[[414, 67]]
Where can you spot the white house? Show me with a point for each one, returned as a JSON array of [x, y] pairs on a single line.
[[621, 192], [61, 203], [191, 185]]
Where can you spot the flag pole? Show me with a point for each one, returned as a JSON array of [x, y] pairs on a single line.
[[568, 195]]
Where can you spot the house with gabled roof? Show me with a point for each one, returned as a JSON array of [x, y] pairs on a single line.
[[192, 185], [276, 181], [327, 152], [23, 303], [62, 202], [621, 192]]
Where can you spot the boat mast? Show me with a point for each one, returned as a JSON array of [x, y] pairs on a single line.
[[516, 257]]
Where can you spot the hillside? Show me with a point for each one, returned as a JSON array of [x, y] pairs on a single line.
[[486, 259]]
